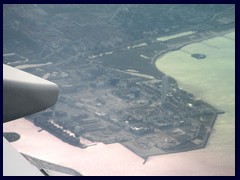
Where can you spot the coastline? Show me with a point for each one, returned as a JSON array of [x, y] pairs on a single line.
[[165, 52], [220, 95], [112, 159], [115, 159]]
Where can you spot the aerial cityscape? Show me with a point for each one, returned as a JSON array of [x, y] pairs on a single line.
[[104, 64]]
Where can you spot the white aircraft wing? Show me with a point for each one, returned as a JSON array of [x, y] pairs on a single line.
[[14, 164], [23, 94]]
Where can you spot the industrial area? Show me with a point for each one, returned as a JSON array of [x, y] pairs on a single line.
[[149, 116], [110, 89]]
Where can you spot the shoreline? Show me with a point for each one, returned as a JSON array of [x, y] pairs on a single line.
[[155, 58], [220, 134], [106, 160]]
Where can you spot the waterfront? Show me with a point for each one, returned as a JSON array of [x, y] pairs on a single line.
[[216, 159], [90, 55], [213, 80]]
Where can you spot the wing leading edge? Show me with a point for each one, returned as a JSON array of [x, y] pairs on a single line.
[[25, 94]]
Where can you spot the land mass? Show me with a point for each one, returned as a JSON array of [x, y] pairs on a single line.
[[99, 99]]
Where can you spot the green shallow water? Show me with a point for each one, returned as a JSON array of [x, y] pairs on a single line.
[[213, 80]]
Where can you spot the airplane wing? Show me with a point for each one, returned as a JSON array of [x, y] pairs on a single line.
[[23, 94], [14, 164]]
